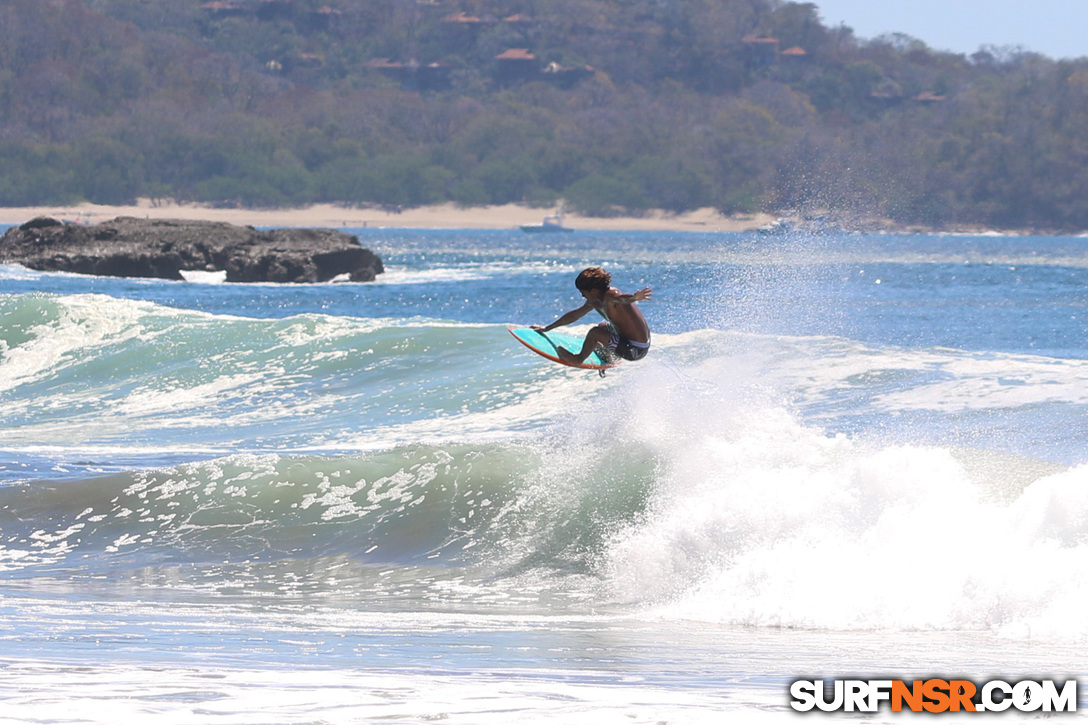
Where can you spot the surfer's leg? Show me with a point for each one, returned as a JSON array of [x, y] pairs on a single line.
[[599, 335]]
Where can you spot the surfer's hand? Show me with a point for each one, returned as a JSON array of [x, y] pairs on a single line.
[[538, 328], [644, 294]]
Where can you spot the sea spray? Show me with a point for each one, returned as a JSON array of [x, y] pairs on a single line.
[[757, 519]]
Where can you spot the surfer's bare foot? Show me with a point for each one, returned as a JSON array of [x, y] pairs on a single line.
[[567, 356]]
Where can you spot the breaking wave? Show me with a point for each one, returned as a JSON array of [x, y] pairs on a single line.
[[753, 480]]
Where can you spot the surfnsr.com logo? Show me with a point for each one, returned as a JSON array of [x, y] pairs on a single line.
[[934, 695]]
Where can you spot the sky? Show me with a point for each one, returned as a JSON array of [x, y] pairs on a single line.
[[1055, 28]]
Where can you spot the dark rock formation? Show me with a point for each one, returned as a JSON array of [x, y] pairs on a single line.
[[129, 247]]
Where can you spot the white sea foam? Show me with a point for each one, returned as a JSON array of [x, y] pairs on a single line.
[[759, 519], [814, 371], [941, 380], [83, 322], [201, 276], [18, 272], [467, 272]]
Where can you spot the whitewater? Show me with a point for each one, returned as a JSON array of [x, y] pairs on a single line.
[[846, 455]]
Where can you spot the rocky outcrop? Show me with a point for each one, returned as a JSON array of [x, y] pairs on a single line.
[[163, 248]]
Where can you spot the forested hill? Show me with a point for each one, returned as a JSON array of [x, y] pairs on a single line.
[[608, 104]]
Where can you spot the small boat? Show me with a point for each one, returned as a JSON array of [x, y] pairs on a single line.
[[550, 225]]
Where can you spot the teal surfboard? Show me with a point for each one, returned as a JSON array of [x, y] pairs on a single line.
[[547, 345]]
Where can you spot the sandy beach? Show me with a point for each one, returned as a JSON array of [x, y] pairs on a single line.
[[444, 216]]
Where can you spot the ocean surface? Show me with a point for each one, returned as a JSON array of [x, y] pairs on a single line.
[[845, 455]]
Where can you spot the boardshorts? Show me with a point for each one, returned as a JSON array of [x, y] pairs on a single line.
[[621, 347]]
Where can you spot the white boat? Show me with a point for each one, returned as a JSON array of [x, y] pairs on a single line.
[[550, 224]]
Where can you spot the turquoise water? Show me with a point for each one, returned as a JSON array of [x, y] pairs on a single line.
[[347, 502]]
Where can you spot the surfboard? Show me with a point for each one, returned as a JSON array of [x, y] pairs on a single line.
[[547, 344]]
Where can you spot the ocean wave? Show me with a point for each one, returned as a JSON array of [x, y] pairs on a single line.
[[810, 482], [467, 515], [90, 371], [758, 519], [737, 514], [386, 507]]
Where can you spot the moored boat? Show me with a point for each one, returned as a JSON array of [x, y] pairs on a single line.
[[550, 224]]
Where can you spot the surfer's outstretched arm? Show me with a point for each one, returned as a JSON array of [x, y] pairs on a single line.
[[566, 319], [643, 294]]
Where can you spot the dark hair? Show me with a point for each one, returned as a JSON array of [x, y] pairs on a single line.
[[593, 278]]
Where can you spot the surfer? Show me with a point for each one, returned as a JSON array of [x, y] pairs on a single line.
[[624, 333]]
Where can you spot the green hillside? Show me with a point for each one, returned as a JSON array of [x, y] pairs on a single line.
[[612, 105]]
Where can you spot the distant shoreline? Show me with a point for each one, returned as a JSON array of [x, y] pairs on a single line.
[[444, 216], [452, 216]]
